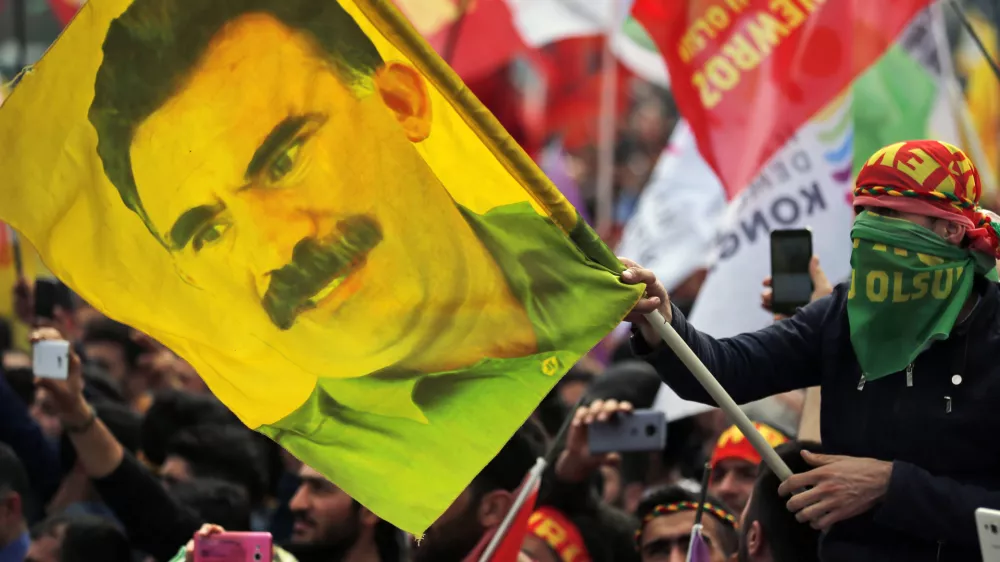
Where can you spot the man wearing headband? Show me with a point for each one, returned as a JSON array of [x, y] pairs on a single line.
[[905, 356], [734, 465], [667, 516]]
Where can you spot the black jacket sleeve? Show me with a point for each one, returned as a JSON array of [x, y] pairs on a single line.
[[156, 524], [927, 506], [782, 357]]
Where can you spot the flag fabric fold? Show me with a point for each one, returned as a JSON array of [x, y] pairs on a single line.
[[746, 74], [302, 200]]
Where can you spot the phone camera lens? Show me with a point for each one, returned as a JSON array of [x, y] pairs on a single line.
[[257, 556], [650, 430], [993, 529]]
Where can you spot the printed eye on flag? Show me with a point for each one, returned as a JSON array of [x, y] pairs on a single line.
[[747, 74], [302, 200]]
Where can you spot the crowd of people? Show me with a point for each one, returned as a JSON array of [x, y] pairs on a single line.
[[131, 456]]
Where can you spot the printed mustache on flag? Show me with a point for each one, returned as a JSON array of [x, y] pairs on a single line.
[[318, 268]]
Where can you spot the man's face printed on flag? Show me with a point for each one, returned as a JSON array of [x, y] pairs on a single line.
[[263, 175]]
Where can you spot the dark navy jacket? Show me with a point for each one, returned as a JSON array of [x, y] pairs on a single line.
[[940, 433]]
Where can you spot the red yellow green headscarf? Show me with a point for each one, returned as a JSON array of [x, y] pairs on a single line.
[[559, 533], [930, 178]]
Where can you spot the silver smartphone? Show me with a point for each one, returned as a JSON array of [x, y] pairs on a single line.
[[50, 359], [988, 522], [641, 430]]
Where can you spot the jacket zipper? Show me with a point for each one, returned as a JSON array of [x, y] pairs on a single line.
[[909, 375]]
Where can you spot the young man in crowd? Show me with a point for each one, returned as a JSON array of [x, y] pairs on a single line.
[[768, 531], [734, 465], [14, 497], [668, 515], [481, 507], [331, 526], [904, 355]]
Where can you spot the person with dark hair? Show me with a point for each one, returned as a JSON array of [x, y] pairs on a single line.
[[110, 345], [636, 383], [226, 452], [330, 523], [768, 531], [78, 538], [220, 501], [667, 516], [903, 352], [15, 502], [574, 384], [483, 504], [171, 412], [734, 465]]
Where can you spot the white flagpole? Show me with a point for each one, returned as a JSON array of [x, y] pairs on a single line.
[[606, 127], [719, 394], [534, 477]]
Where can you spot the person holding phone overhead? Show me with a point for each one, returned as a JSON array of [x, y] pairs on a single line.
[[904, 353]]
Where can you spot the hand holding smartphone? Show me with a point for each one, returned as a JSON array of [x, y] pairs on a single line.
[[641, 430], [791, 284], [50, 359], [233, 547]]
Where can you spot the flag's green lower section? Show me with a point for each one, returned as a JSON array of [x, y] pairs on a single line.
[[406, 443], [409, 472]]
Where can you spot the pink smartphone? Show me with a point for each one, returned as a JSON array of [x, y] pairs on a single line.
[[233, 547]]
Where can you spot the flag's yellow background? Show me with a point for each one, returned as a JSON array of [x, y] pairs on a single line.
[[72, 213], [257, 169]]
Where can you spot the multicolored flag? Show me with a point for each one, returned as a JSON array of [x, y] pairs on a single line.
[[746, 74], [302, 200]]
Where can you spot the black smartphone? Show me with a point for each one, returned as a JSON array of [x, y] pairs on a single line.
[[791, 251], [48, 294]]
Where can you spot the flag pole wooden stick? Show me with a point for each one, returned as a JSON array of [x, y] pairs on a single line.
[[534, 477], [606, 129], [719, 394]]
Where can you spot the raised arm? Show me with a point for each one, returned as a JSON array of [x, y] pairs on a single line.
[[779, 358]]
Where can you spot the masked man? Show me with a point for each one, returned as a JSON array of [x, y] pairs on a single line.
[[904, 353]]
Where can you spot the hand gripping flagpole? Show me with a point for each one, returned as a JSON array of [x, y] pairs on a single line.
[[719, 394]]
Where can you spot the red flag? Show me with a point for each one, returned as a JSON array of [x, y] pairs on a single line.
[[510, 545], [486, 39], [573, 74], [64, 10], [747, 74]]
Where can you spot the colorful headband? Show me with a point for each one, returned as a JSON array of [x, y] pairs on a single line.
[[559, 533], [678, 507]]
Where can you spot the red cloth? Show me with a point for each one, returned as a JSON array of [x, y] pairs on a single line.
[[931, 178], [487, 40], [64, 10], [574, 83], [510, 545], [747, 74], [733, 445], [560, 534]]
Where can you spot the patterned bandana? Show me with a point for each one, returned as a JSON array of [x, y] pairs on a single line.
[[559, 533], [733, 445], [930, 178], [719, 513]]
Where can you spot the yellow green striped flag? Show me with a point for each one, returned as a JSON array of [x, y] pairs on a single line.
[[302, 200]]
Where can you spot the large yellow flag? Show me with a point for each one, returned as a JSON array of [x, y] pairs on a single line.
[[305, 203]]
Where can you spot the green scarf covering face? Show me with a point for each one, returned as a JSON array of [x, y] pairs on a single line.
[[908, 286]]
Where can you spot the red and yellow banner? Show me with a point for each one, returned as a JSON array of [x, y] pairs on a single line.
[[747, 74]]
